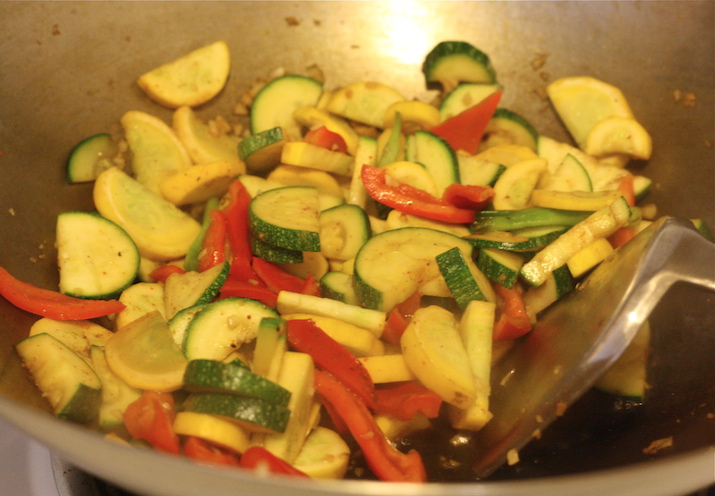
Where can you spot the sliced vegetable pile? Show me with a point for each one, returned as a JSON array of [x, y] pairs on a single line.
[[332, 279]]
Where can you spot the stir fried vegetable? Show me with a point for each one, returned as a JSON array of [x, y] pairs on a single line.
[[334, 280]]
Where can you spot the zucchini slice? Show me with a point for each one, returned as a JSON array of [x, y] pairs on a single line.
[[500, 266], [274, 254], [262, 151], [287, 217], [506, 126], [212, 376], [436, 155], [223, 326], [276, 102], [343, 230], [96, 257], [394, 264], [90, 158], [464, 96], [338, 285], [452, 62], [254, 414], [464, 279], [67, 381], [193, 288]]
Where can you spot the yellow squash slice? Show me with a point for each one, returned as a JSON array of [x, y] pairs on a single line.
[[200, 182], [191, 80], [160, 230], [619, 136], [582, 102], [203, 143], [156, 151], [143, 354]]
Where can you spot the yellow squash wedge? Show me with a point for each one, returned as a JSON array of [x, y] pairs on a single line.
[[191, 80], [143, 354], [160, 230], [203, 143], [157, 153], [200, 182]]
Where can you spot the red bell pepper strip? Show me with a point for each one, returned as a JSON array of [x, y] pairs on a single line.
[[213, 247], [471, 197], [395, 326], [384, 459], [53, 304], [203, 451], [411, 200], [237, 232], [305, 336], [161, 274], [235, 288], [323, 137], [406, 399], [260, 459], [464, 131], [276, 278], [151, 418], [399, 318], [310, 286], [622, 236], [513, 321], [628, 189]]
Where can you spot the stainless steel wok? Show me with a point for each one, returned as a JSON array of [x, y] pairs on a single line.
[[67, 71]]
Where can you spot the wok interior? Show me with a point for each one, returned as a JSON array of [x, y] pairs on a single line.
[[67, 71]]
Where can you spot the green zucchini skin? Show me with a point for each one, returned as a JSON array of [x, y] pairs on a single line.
[[68, 382], [457, 61], [256, 413], [223, 326], [262, 151], [229, 378], [464, 279], [512, 127], [276, 102], [96, 257], [510, 220], [520, 240], [287, 217]]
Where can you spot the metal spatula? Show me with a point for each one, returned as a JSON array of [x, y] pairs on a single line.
[[583, 334]]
